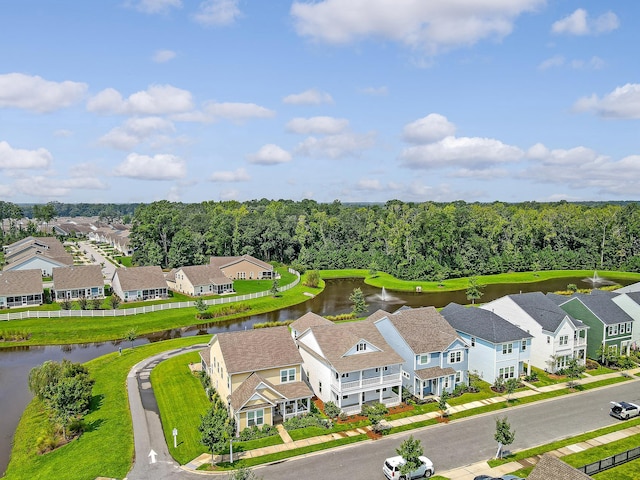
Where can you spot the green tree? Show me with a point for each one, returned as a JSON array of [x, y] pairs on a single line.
[[312, 279], [69, 399], [114, 301], [358, 302], [83, 302], [510, 386], [274, 288], [215, 428], [410, 450], [42, 376], [474, 290], [442, 403], [573, 370], [131, 336], [201, 307], [96, 303], [504, 434]]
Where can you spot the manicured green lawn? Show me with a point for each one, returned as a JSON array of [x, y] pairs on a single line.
[[600, 371], [545, 379], [485, 392], [607, 450], [181, 400], [106, 449]]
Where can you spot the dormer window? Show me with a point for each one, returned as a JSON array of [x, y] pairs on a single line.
[[361, 347]]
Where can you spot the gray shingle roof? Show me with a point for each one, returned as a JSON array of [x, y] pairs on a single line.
[[337, 339], [286, 391], [79, 276], [552, 468], [482, 324], [222, 262], [205, 275], [309, 319], [424, 329], [604, 308], [140, 278], [434, 372], [49, 247], [258, 349], [543, 310], [20, 282]]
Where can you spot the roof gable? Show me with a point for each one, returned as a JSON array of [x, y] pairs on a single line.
[[483, 324]]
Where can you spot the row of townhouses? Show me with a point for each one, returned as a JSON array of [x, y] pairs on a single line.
[[268, 375]]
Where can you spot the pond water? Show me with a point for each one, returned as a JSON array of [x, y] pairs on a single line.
[[15, 364]]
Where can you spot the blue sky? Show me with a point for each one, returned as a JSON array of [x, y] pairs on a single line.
[[356, 100]]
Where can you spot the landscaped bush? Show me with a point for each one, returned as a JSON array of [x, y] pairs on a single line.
[[331, 409], [374, 412], [14, 335], [272, 324], [591, 364], [341, 317], [224, 311], [255, 432], [532, 378], [309, 420], [626, 363], [381, 428]]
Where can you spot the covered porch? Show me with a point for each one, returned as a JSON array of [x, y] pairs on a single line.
[[433, 381]]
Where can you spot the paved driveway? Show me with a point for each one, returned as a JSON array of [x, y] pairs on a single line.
[[108, 269]]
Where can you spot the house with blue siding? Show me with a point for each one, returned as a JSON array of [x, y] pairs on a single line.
[[435, 357], [497, 348]]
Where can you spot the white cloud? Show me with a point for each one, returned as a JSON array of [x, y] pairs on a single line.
[[594, 63], [37, 94], [7, 191], [428, 129], [579, 23], [239, 175], [312, 96], [270, 154], [162, 56], [454, 152], [217, 12], [555, 61], [155, 100], [157, 6], [174, 194], [581, 167], [158, 167], [375, 91], [46, 187], [623, 102], [19, 158], [336, 146], [238, 111], [135, 131], [369, 184], [318, 125], [426, 25]]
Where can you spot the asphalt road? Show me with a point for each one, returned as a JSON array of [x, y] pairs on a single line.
[[466, 441]]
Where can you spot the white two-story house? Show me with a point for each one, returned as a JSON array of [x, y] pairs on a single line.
[[497, 348], [350, 364], [435, 358], [557, 337]]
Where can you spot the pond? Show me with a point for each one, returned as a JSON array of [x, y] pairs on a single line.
[[15, 364]]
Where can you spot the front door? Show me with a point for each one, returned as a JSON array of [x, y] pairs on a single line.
[[24, 300]]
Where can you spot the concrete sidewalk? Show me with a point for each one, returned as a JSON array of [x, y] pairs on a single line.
[[463, 473]]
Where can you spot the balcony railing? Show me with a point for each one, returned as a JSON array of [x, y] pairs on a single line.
[[366, 383]]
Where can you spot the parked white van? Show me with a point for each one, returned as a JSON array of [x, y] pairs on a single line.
[[391, 468]]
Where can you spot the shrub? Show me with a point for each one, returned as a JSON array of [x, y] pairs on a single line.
[[531, 378], [381, 428], [374, 412], [591, 364], [498, 385], [341, 317], [312, 279], [273, 324], [299, 267], [625, 363], [331, 409], [308, 420], [254, 432]]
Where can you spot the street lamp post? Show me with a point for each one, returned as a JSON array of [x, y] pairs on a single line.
[[231, 450], [175, 438]]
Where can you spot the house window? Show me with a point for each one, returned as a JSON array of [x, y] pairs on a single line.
[[507, 348], [405, 374], [473, 341], [288, 375], [507, 372], [458, 376], [615, 329], [613, 349], [423, 359], [548, 339], [524, 345], [628, 327], [564, 340], [455, 357], [345, 375], [242, 275], [319, 387], [361, 347], [446, 382], [255, 417]]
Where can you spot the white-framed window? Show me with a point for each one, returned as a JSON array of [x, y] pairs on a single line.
[[361, 347], [615, 329], [458, 376], [446, 382], [564, 340], [548, 339], [319, 387], [288, 375], [507, 372], [523, 346], [242, 275], [455, 357], [507, 348], [629, 325], [473, 341], [423, 359], [405, 374], [255, 417]]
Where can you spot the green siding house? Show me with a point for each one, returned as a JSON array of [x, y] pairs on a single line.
[[610, 326]]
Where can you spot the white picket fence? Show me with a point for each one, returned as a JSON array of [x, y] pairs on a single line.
[[138, 310]]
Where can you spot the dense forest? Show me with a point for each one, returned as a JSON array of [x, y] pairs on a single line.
[[410, 240]]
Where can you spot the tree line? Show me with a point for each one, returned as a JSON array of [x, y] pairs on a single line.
[[431, 241]]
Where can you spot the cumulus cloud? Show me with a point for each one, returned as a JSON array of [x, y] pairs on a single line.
[[239, 175], [312, 96], [155, 100], [158, 167], [217, 12], [37, 94], [581, 167], [579, 23], [336, 146], [162, 56], [156, 6], [428, 129], [428, 26], [11, 158], [45, 187], [270, 154], [135, 131], [318, 125], [623, 102], [238, 112], [466, 152]]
